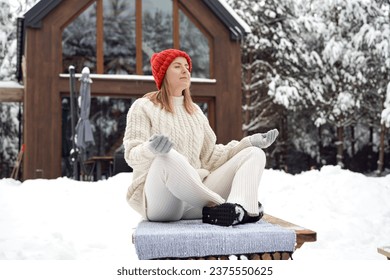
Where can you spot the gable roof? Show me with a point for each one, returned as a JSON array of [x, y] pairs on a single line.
[[33, 17], [237, 27]]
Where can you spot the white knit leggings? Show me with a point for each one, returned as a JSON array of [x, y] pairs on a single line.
[[174, 189]]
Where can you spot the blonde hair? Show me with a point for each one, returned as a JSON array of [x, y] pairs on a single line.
[[162, 98]]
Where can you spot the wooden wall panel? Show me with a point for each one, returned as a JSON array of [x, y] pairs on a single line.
[[11, 94], [42, 101]]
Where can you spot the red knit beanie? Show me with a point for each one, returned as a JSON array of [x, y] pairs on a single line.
[[161, 61]]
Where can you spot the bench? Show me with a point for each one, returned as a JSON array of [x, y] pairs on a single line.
[[302, 234], [385, 251], [269, 239]]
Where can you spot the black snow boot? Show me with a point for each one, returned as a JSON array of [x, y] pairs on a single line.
[[226, 214], [253, 219], [229, 214]]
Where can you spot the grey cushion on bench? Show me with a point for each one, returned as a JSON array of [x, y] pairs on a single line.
[[192, 238]]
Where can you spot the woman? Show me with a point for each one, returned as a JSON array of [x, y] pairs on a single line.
[[179, 172]]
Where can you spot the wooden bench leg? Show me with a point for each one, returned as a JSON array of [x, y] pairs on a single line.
[[298, 245]]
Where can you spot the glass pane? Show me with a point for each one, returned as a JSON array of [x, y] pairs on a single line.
[[157, 29], [119, 36], [204, 106], [10, 136], [195, 43], [108, 121], [79, 42]]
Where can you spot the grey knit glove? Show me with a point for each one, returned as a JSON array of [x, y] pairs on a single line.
[[264, 140], [160, 144]]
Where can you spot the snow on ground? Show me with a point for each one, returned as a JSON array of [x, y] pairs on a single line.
[[65, 219]]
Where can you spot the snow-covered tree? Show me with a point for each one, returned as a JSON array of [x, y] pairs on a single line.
[[279, 69], [385, 116], [9, 112], [324, 62], [79, 42], [339, 62], [7, 42], [352, 38], [374, 40], [385, 125], [267, 20]]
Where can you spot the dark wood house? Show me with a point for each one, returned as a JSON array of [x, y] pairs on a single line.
[[93, 33]]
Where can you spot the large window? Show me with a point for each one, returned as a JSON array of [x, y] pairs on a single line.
[[79, 42], [108, 122], [119, 37], [195, 43], [157, 29]]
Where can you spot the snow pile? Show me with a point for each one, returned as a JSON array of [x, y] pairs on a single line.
[[66, 219]]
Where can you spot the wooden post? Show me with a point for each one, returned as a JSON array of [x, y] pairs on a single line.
[[15, 171], [370, 145], [340, 145], [73, 106], [99, 38], [353, 140], [381, 150], [138, 37], [320, 147], [175, 24]]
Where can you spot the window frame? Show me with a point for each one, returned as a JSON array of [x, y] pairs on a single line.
[[176, 6]]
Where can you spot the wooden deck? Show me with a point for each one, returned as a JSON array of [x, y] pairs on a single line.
[[303, 234], [11, 92], [385, 251]]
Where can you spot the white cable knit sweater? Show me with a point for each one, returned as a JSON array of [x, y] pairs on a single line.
[[191, 135]]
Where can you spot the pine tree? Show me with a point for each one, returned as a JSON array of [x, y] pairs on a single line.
[[325, 63], [355, 72], [79, 42], [385, 125], [278, 70], [9, 122], [7, 42], [119, 37], [9, 112]]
